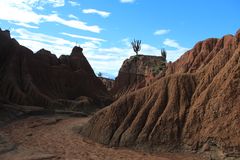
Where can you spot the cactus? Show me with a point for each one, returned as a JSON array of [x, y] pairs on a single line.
[[136, 45], [164, 54]]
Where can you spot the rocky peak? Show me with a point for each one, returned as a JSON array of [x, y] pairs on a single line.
[[43, 51], [47, 57], [4, 34], [77, 51], [5, 38], [139, 64], [137, 72], [77, 61]]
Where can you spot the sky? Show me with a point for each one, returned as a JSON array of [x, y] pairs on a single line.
[[105, 28]]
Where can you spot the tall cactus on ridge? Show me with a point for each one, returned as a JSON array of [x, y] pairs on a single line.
[[136, 45]]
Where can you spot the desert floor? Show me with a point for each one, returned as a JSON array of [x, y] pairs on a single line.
[[51, 138]]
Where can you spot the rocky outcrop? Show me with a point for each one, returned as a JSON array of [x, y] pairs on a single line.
[[109, 83], [44, 80], [137, 72], [196, 104]]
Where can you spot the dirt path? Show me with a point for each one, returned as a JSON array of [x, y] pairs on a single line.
[[44, 138]]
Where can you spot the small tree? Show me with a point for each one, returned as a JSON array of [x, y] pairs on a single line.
[[136, 45], [164, 54], [99, 74]]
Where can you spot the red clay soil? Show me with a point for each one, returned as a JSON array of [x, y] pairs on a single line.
[[195, 107], [56, 138]]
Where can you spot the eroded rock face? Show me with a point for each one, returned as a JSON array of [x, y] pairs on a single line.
[[109, 83], [197, 103], [42, 79], [137, 72]]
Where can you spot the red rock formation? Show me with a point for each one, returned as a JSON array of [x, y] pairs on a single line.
[[137, 72], [109, 83], [197, 104], [42, 79]]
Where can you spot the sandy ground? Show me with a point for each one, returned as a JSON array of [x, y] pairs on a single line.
[[51, 138]]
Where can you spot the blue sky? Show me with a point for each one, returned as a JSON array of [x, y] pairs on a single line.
[[105, 28]]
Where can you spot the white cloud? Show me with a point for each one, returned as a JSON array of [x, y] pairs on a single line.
[[37, 45], [108, 60], [56, 3], [38, 3], [171, 43], [72, 16], [72, 23], [94, 11], [127, 1], [21, 12], [161, 32], [56, 45], [25, 34], [83, 37], [25, 25], [73, 3], [175, 53], [40, 8], [126, 42], [37, 41]]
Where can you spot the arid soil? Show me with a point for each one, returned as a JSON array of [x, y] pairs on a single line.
[[42, 137]]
